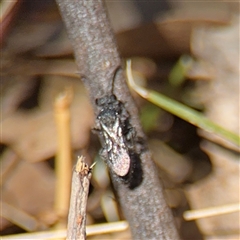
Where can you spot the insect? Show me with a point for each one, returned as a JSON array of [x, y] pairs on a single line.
[[116, 133]]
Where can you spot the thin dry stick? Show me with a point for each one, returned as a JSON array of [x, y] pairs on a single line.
[[63, 160], [211, 211], [77, 213], [96, 229]]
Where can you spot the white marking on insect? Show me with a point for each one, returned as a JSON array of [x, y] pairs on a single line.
[[117, 151]]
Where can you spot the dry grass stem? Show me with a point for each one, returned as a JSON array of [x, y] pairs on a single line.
[[92, 230], [210, 212], [63, 162]]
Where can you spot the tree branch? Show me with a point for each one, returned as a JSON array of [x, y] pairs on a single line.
[[97, 58]]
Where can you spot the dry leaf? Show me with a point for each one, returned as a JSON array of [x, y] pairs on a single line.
[[29, 187], [32, 135], [220, 96]]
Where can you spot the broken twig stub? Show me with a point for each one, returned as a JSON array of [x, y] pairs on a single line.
[[77, 211]]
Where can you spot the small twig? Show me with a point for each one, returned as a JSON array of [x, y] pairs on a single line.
[[63, 162], [77, 213], [210, 212]]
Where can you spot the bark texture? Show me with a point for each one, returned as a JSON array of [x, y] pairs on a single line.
[[97, 57]]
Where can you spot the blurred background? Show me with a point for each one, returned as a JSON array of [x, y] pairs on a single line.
[[188, 51]]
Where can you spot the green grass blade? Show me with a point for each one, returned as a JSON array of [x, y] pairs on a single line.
[[191, 116], [182, 111]]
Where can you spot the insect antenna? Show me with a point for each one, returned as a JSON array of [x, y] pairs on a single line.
[[111, 86]]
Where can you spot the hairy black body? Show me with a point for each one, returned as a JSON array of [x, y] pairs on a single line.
[[120, 144]]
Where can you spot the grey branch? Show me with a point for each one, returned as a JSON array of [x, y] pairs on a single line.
[[97, 57]]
